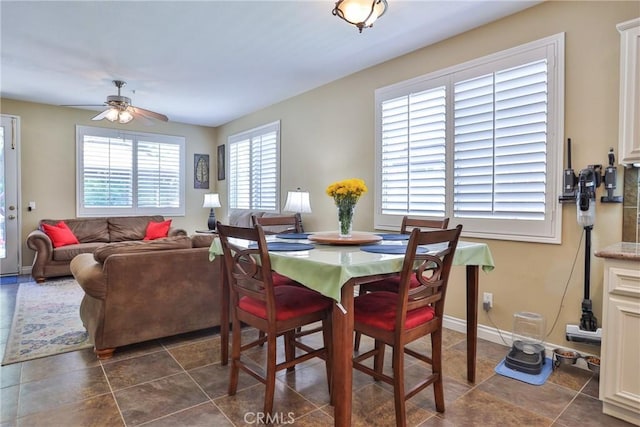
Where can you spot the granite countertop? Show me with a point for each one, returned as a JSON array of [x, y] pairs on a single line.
[[623, 250]]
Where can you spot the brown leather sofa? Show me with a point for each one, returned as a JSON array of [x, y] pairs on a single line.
[[139, 291], [91, 233]]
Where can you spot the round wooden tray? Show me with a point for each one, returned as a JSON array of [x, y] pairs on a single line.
[[333, 238]]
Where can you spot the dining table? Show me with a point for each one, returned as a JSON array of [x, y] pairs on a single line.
[[334, 266]]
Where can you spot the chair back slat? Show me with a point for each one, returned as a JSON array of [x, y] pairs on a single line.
[[431, 270], [248, 269], [279, 224], [408, 224]]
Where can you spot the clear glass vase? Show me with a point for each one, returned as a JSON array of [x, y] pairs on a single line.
[[345, 220]]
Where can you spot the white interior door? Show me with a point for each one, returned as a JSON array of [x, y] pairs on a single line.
[[9, 197]]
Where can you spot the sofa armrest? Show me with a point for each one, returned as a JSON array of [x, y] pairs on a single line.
[[89, 274], [42, 245]]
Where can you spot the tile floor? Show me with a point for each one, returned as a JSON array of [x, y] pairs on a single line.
[[179, 381]]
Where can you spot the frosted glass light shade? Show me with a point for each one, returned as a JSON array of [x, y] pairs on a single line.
[[361, 13], [298, 201], [211, 200]]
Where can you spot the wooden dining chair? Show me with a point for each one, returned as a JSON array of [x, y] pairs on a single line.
[[399, 318], [390, 284], [277, 311], [408, 224], [279, 224], [283, 224]]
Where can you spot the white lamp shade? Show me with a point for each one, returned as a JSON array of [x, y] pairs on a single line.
[[211, 200], [298, 201]]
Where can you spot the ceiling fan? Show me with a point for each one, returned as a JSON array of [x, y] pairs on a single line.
[[120, 109]]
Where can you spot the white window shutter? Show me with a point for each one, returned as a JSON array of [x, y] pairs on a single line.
[[254, 168], [500, 144]]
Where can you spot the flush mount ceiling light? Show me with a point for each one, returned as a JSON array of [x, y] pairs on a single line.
[[361, 13]]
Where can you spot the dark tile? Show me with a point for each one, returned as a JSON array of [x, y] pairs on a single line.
[[250, 401], [197, 354], [155, 399], [204, 415], [38, 369], [570, 376], [486, 350], [585, 411], [136, 370], [372, 405], [214, 379], [10, 374], [9, 403], [454, 365], [478, 408], [190, 337], [592, 388], [548, 399], [99, 411], [317, 418], [134, 350], [311, 382], [51, 392]]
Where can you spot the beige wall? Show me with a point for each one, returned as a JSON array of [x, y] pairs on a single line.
[[328, 134], [48, 159]]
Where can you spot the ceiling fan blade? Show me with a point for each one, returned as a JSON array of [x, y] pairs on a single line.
[[82, 105], [101, 115], [150, 114], [138, 116]]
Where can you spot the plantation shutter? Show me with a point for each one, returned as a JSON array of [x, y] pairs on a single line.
[[158, 175], [129, 173], [107, 172], [253, 169], [413, 153], [500, 149]]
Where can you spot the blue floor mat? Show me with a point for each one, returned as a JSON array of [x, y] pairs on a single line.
[[539, 379], [8, 280]]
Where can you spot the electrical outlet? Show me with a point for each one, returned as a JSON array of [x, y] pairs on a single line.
[[487, 301]]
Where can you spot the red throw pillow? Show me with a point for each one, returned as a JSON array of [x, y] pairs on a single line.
[[157, 230], [60, 234]]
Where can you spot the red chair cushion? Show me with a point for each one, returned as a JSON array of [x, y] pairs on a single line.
[[378, 309], [280, 280], [391, 284], [291, 301]]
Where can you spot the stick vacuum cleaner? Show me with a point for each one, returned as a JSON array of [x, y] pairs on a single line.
[[588, 180]]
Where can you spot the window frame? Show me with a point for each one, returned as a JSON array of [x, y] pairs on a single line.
[[82, 211], [236, 138], [547, 231]]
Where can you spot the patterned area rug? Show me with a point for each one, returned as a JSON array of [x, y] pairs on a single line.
[[46, 321]]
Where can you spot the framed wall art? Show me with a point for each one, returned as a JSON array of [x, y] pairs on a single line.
[[201, 171], [221, 163]]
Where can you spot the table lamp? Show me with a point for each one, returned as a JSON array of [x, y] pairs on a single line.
[[211, 200], [298, 202]]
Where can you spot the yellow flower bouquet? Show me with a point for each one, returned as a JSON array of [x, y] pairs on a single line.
[[345, 195]]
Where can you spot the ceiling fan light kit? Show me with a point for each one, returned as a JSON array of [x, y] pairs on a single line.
[[361, 13], [120, 109]]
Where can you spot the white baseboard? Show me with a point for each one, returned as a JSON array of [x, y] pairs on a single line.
[[491, 334]]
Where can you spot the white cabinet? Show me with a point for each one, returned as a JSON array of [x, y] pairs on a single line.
[[620, 353], [629, 132]]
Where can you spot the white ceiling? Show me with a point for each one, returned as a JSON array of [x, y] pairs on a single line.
[[209, 62]]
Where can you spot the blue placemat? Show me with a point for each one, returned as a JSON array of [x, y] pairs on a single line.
[[293, 235], [539, 379], [285, 246], [394, 236], [390, 249]]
